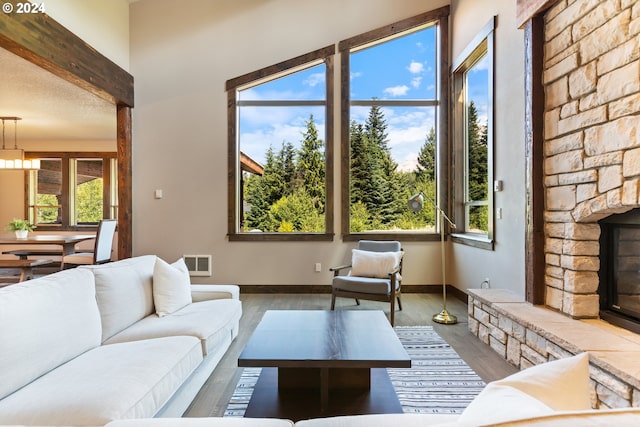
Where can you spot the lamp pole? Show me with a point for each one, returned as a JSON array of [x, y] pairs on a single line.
[[415, 204], [444, 316]]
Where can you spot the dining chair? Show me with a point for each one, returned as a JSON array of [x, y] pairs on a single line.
[[102, 248], [375, 274]]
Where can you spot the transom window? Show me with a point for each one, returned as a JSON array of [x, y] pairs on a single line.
[[280, 150], [72, 190]]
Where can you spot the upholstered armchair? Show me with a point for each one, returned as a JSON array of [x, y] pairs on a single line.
[[375, 274]]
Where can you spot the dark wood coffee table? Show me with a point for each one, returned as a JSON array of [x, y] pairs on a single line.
[[323, 363]]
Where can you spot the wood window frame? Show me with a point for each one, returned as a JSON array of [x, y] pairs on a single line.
[[440, 17], [65, 159], [326, 55], [482, 43]]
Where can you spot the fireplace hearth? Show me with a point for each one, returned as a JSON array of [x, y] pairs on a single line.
[[619, 287]]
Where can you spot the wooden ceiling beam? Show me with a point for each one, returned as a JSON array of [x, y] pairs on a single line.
[[527, 9], [41, 40]]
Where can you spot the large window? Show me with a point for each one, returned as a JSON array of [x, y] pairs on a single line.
[[280, 160], [473, 136], [72, 190], [394, 106]]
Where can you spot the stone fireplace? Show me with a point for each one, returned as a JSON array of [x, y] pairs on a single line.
[[592, 140]]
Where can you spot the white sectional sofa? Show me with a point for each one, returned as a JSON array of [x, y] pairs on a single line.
[[555, 394], [84, 347]]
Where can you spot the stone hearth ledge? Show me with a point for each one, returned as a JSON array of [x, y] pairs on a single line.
[[527, 335]]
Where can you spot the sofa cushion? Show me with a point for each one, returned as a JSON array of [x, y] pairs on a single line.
[[624, 417], [171, 286], [128, 380], [124, 291], [44, 323], [561, 385], [209, 321], [386, 420], [203, 422]]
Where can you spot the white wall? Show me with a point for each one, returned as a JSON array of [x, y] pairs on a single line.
[[103, 24], [505, 265], [181, 56]]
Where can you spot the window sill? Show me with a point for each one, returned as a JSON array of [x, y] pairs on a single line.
[[281, 237], [474, 240], [402, 237]]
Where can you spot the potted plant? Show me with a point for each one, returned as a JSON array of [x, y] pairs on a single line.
[[21, 227]]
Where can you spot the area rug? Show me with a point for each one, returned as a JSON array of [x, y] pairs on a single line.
[[438, 382]]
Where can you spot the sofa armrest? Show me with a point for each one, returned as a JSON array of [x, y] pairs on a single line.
[[210, 292]]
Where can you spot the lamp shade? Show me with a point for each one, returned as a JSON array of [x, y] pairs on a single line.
[[416, 202]]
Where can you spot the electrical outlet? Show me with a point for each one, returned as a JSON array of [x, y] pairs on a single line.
[[486, 284], [318, 267]]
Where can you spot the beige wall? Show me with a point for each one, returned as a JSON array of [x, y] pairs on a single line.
[[181, 57], [505, 265]]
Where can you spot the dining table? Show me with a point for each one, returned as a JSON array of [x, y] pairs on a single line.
[[67, 242]]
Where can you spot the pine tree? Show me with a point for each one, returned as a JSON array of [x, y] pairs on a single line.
[[359, 163], [310, 165], [382, 203], [426, 167], [477, 139], [478, 168]]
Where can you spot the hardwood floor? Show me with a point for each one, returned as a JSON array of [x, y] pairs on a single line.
[[418, 309]]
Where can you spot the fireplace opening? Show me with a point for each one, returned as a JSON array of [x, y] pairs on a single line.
[[619, 287]]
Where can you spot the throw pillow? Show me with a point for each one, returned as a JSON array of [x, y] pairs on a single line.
[[171, 286], [561, 385], [374, 264]]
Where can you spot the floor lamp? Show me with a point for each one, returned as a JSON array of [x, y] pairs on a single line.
[[415, 204]]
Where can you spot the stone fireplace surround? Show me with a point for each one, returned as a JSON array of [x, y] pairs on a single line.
[[591, 79], [592, 140]]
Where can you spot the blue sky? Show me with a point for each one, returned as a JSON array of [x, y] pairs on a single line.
[[400, 69]]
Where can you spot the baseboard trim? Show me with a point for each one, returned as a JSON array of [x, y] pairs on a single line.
[[326, 289]]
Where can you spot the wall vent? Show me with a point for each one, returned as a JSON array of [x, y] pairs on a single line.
[[198, 265]]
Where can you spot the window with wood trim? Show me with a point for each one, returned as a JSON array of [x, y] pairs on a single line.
[[280, 150], [394, 140], [72, 190], [473, 139]]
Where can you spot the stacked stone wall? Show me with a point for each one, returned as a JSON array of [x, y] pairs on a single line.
[[592, 140], [523, 344]]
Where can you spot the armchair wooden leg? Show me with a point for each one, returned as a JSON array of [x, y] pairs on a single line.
[[399, 303], [392, 311], [333, 302], [357, 301]]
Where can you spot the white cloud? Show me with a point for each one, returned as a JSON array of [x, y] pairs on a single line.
[[397, 90], [482, 65], [415, 82], [415, 67], [315, 79]]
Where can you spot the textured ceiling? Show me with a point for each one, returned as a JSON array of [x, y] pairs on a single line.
[[51, 108]]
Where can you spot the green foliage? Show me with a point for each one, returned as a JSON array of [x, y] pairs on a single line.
[[89, 202], [477, 172], [19, 225], [296, 213], [290, 195], [47, 215], [379, 192], [427, 157]]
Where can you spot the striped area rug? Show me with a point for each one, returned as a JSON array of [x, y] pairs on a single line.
[[438, 382]]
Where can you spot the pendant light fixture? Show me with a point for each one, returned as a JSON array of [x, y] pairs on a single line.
[[13, 158]]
